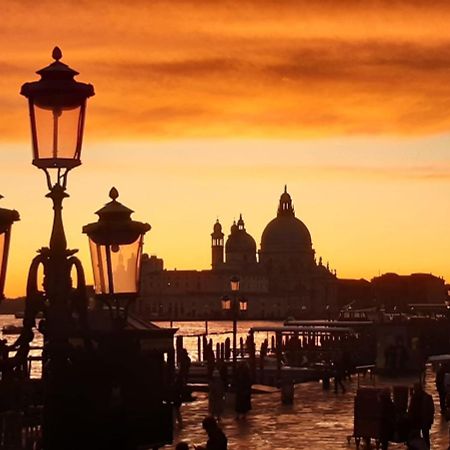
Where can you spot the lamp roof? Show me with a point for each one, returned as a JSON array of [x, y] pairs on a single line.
[[115, 225], [57, 79]]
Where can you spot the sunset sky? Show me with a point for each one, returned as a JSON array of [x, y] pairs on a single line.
[[206, 109]]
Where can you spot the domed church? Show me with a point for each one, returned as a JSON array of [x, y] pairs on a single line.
[[286, 258], [281, 279]]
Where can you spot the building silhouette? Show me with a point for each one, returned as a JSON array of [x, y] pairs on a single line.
[[282, 279], [395, 291]]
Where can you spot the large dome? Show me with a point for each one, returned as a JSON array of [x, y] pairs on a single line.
[[285, 233]]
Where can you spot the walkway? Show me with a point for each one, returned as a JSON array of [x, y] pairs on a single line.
[[318, 420]]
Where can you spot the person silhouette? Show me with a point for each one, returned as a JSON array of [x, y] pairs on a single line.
[[216, 437], [182, 446]]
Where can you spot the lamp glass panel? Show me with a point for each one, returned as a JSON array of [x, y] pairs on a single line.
[[234, 284], [125, 261], [226, 304], [99, 267], [57, 132], [243, 305], [125, 264]]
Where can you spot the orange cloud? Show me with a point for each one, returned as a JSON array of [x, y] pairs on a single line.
[[239, 69]]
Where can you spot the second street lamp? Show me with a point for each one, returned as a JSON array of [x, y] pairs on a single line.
[[116, 246]]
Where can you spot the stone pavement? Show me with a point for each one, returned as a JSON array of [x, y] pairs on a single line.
[[318, 420]]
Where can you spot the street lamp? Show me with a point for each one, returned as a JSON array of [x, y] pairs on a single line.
[[234, 305], [116, 244], [235, 283], [87, 368], [7, 217], [57, 106]]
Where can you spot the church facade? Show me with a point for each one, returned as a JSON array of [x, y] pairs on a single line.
[[281, 279]]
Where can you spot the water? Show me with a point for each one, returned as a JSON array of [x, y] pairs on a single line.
[[312, 423], [218, 331], [38, 341]]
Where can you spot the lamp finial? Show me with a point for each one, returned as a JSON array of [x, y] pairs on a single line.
[[113, 193], [57, 53]]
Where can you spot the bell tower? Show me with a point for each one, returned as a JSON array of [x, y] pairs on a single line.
[[217, 246]]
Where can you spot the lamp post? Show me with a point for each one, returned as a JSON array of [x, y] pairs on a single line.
[[99, 386], [234, 305], [57, 107], [116, 244]]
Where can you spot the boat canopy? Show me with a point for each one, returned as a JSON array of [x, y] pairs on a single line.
[[329, 323], [302, 329]]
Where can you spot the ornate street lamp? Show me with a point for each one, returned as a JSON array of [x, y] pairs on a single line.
[[235, 283], [235, 305], [74, 349], [226, 303], [243, 304], [7, 217], [116, 244], [57, 106]]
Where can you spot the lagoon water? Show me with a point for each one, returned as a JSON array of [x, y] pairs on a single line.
[[218, 331], [310, 424]]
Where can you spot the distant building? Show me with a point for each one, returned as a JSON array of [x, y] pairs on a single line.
[[392, 291], [354, 293], [282, 279], [279, 280], [397, 291]]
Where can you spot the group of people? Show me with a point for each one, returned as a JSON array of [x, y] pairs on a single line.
[[396, 356], [242, 386], [218, 387], [443, 387], [414, 426]]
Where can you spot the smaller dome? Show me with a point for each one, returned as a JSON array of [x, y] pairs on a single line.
[[239, 241]]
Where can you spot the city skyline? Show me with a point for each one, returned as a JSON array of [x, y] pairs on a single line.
[[207, 111]]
